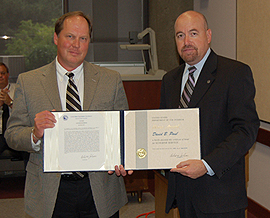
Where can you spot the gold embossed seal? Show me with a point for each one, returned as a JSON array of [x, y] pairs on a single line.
[[141, 153]]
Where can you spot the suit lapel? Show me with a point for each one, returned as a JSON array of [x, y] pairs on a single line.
[[205, 80], [91, 79], [49, 83], [178, 75]]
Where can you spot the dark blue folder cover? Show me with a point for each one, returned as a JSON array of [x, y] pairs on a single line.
[[122, 141]]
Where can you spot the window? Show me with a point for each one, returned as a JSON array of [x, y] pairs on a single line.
[[26, 33]]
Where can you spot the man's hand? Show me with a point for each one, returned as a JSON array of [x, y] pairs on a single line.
[[43, 120], [191, 168], [4, 96], [120, 171]]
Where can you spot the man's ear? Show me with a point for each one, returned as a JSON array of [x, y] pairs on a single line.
[[55, 39], [209, 35]]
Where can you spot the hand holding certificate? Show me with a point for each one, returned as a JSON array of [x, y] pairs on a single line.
[[191, 168], [99, 140]]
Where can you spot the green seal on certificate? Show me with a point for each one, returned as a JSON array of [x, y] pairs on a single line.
[[141, 153]]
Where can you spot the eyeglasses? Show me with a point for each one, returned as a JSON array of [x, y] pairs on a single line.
[[3, 73]]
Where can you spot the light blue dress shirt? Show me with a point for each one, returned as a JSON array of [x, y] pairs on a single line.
[[196, 75]]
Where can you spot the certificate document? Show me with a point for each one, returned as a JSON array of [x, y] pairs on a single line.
[[83, 141], [137, 139], [160, 139]]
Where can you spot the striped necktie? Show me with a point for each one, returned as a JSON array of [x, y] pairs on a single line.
[[188, 89], [73, 102]]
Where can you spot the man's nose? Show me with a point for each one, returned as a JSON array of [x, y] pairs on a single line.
[[76, 43], [186, 40]]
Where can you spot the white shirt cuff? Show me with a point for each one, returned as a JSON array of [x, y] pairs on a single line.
[[210, 172], [35, 146]]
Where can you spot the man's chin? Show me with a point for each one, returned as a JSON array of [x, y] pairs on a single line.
[[188, 59]]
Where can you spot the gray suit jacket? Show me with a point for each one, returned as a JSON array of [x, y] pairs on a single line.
[[37, 91]]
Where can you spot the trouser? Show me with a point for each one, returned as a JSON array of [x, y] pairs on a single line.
[[75, 200]]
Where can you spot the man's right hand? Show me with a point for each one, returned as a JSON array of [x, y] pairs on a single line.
[[43, 120]]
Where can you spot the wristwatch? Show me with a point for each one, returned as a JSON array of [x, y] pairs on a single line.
[[11, 103]]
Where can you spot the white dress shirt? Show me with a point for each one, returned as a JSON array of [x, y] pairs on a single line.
[[62, 81]]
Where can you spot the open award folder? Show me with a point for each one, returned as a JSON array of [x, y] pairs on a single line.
[[137, 139]]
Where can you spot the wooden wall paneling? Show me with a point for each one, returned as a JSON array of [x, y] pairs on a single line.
[[161, 186], [142, 94], [263, 137]]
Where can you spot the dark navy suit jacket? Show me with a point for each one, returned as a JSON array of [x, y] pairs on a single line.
[[224, 93]]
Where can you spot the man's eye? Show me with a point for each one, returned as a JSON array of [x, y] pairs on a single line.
[[180, 35], [194, 34]]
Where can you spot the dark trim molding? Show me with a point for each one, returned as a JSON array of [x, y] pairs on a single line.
[[257, 210], [65, 7], [263, 137]]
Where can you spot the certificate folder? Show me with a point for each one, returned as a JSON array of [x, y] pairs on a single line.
[[137, 139]]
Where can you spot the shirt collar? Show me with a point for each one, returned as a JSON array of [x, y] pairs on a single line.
[[61, 71], [199, 65]]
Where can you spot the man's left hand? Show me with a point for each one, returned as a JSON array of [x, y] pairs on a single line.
[[191, 168], [120, 171]]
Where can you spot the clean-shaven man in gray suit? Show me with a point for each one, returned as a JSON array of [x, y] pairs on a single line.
[[213, 187], [95, 194]]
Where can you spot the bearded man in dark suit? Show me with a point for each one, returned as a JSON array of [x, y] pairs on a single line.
[[224, 92]]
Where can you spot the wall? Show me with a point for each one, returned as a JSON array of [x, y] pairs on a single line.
[[112, 20], [259, 175], [162, 15], [259, 172], [253, 47], [221, 18]]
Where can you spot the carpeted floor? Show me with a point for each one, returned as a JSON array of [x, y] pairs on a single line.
[[14, 208], [12, 202], [133, 209]]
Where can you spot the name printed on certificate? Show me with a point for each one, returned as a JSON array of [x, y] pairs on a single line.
[[160, 139]]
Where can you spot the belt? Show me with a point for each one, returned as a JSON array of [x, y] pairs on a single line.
[[75, 176]]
